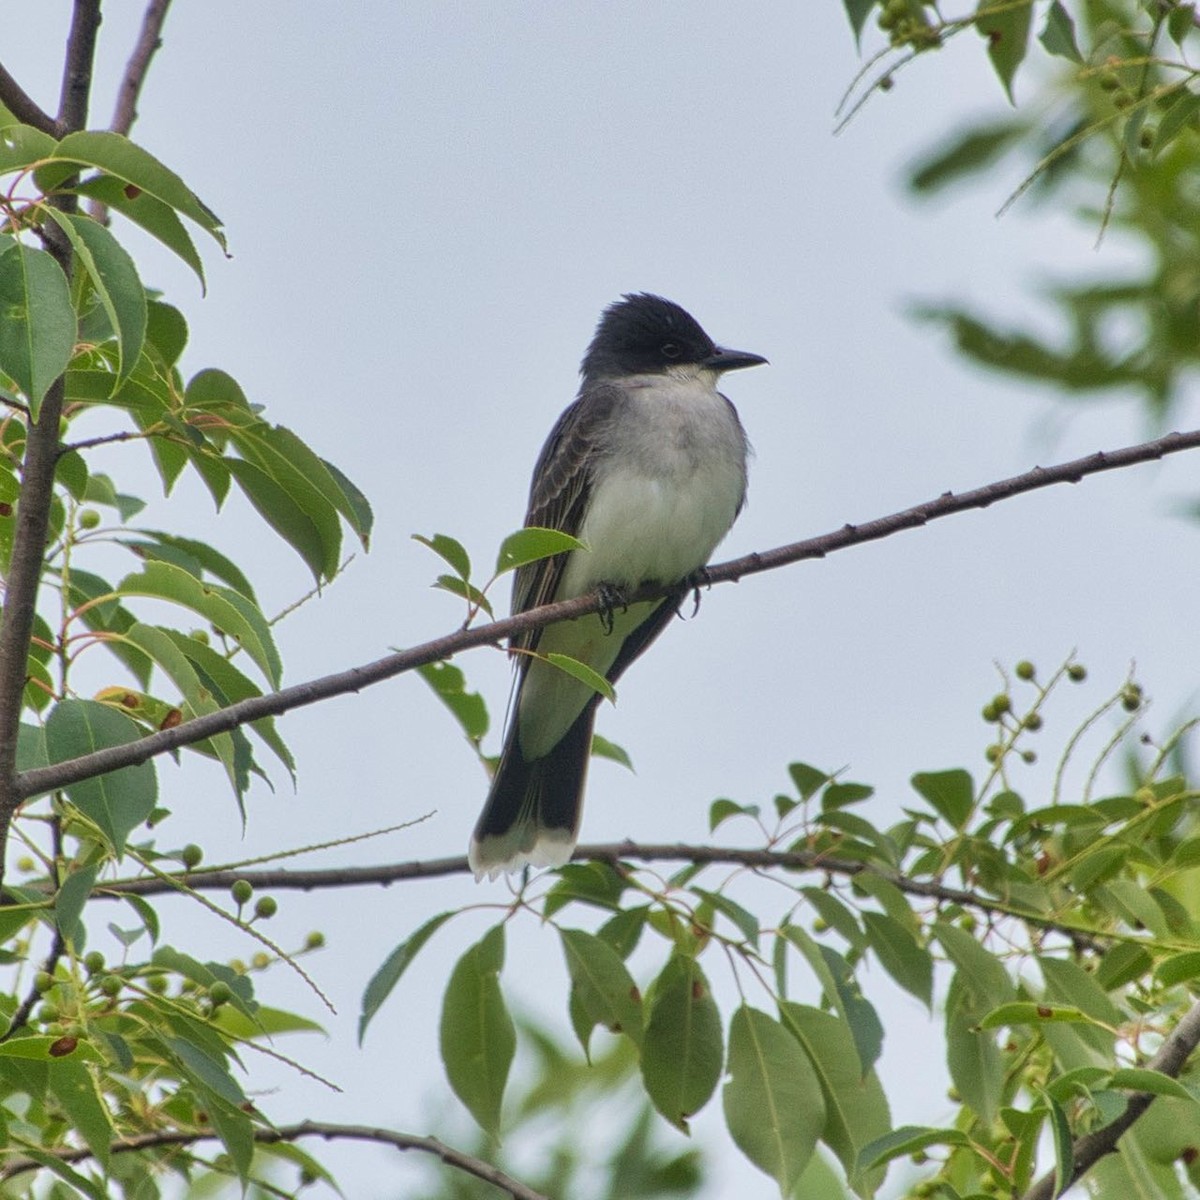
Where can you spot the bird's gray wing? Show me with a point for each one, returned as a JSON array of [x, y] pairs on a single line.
[[558, 496]]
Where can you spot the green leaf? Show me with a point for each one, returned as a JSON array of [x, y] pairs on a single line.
[[209, 1069], [982, 973], [1005, 26], [681, 1050], [38, 1048], [951, 794], [230, 612], [836, 915], [116, 281], [603, 984], [808, 780], [1178, 967], [56, 1166], [532, 544], [581, 671], [856, 1110], [118, 801], [976, 1065], [901, 956], [266, 1022], [37, 322], [858, 11], [603, 748], [464, 591], [69, 902], [1026, 1012], [1064, 1156], [389, 972], [449, 550], [21, 146], [1181, 20], [205, 557], [906, 1140], [1138, 1079], [450, 686], [120, 158], [773, 1102], [1058, 34], [477, 1035], [74, 1087], [1184, 106], [721, 810], [148, 212], [746, 921]]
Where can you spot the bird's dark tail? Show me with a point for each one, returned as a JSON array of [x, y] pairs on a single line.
[[533, 809]]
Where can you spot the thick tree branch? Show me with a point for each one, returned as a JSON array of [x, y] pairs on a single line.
[[1171, 1058], [461, 1161], [41, 456], [44, 779], [614, 853], [23, 106]]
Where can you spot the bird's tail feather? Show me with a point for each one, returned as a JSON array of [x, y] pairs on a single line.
[[533, 809]]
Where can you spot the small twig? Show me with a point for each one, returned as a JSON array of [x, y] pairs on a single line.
[[458, 1159], [77, 70], [21, 1017], [88, 766], [1086, 1151], [23, 106], [126, 435]]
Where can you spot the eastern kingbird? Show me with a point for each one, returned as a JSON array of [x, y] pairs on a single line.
[[648, 468]]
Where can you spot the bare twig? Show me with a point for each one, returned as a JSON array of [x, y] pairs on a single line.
[[1086, 1151], [23, 106], [384, 874], [148, 43], [458, 1159], [125, 113], [44, 779], [41, 454]]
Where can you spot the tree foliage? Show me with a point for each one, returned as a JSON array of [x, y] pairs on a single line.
[[1048, 915]]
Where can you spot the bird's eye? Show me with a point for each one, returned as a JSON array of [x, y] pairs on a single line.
[[671, 349]]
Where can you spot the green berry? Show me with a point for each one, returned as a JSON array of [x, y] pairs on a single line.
[[242, 890], [26, 864], [1032, 721], [191, 856], [48, 1014], [261, 960], [1029, 756], [820, 925], [236, 964], [989, 713], [201, 636], [43, 981], [94, 962], [1076, 672], [266, 907], [89, 518], [993, 753], [1131, 698], [315, 940], [1025, 670], [157, 984], [1002, 703], [220, 993], [111, 985]]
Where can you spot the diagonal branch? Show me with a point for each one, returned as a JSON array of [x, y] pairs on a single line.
[[148, 43], [613, 853], [45, 779], [458, 1159], [22, 106], [1086, 1151]]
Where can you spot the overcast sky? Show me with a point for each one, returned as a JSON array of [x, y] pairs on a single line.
[[428, 205]]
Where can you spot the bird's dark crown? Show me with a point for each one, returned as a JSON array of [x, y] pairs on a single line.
[[644, 334]]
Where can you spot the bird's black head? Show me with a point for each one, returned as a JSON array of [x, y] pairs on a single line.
[[643, 334]]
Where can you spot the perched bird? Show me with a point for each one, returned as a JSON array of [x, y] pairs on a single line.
[[648, 469]]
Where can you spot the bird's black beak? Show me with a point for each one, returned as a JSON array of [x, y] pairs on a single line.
[[724, 359]]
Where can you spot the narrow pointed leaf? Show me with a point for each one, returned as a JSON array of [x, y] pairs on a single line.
[[603, 984], [773, 1102], [393, 967], [1005, 26], [682, 1049], [477, 1036], [116, 802], [37, 322], [901, 956], [582, 672], [531, 545]]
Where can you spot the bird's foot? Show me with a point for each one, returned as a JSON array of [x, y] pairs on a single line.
[[698, 579], [612, 596]]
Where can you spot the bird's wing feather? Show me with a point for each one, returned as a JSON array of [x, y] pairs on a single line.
[[558, 497]]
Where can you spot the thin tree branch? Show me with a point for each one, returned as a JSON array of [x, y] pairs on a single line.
[[21, 1017], [125, 113], [77, 70], [148, 43], [44, 779], [458, 1159], [23, 106], [613, 853], [1086, 1151], [41, 454]]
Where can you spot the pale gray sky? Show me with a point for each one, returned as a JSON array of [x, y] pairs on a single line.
[[428, 205]]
